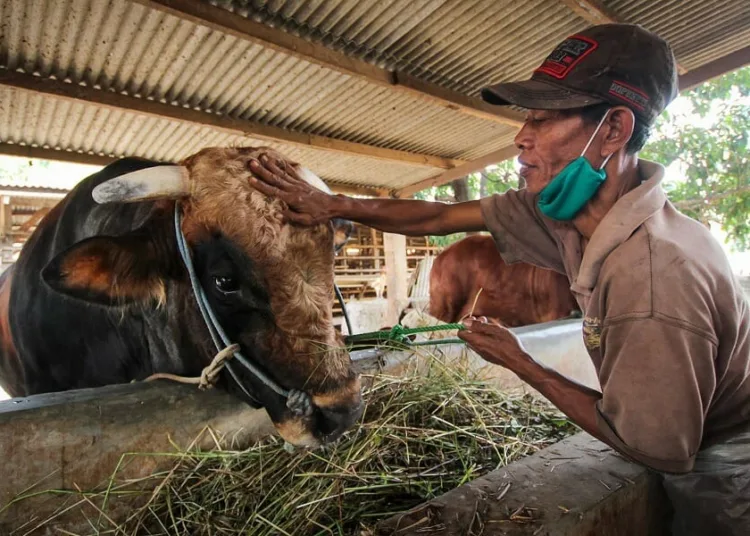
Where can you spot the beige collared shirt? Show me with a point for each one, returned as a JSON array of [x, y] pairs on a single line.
[[665, 321]]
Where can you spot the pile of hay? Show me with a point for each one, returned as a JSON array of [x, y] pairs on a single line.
[[421, 435]]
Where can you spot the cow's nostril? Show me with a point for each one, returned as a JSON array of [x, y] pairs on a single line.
[[335, 421]]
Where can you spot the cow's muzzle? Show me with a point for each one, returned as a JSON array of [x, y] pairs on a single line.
[[333, 422]]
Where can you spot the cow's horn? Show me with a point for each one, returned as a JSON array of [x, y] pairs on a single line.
[[150, 183], [313, 180]]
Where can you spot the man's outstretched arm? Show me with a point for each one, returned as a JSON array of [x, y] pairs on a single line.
[[310, 206]]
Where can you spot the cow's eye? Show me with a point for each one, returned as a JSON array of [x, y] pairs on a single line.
[[226, 285]]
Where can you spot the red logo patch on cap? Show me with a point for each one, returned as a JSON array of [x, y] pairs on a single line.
[[567, 55], [634, 96]]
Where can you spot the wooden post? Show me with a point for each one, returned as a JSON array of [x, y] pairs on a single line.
[[395, 273], [2, 238], [6, 226], [375, 248], [7, 217], [2, 218]]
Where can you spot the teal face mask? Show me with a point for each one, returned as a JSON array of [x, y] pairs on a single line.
[[572, 188]]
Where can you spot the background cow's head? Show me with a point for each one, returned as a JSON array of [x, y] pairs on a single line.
[[269, 283]]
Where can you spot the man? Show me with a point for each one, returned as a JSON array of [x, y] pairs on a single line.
[[666, 324]]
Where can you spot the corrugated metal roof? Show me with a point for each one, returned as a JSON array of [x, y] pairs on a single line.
[[698, 31], [459, 44], [466, 44], [125, 47], [48, 122]]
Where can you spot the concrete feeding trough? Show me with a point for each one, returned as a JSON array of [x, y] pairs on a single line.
[[577, 487], [76, 440]]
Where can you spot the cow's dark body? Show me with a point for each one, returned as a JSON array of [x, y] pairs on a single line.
[[68, 343]]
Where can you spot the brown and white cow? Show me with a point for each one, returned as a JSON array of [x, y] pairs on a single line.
[[514, 295], [100, 294]]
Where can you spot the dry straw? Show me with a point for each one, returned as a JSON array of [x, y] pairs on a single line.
[[422, 434]]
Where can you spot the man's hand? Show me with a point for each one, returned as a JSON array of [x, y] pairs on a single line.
[[499, 345], [307, 205], [495, 344]]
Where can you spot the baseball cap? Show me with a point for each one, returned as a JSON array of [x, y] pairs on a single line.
[[622, 64]]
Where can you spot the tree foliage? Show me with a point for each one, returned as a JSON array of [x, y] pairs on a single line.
[[17, 171], [708, 144]]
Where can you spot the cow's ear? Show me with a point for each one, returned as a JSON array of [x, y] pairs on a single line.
[[110, 270], [342, 230]]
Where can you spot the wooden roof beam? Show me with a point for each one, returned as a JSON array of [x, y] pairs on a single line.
[[473, 166], [34, 219], [27, 151], [112, 100], [730, 62], [225, 21], [594, 12], [43, 153], [24, 192]]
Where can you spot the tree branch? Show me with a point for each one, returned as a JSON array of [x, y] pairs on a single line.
[[688, 203]]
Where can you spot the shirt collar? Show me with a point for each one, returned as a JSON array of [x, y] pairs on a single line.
[[627, 214]]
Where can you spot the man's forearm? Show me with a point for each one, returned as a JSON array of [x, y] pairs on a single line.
[[577, 401], [409, 216]]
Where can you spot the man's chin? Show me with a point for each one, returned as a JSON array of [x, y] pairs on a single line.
[[533, 188], [535, 184]]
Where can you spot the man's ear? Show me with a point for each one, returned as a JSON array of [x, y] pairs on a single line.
[[621, 123], [110, 270]]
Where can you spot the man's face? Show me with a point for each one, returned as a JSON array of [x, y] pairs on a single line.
[[550, 140]]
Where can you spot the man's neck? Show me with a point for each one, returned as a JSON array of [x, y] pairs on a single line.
[[622, 177]]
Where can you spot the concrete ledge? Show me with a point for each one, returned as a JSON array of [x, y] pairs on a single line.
[[77, 438], [577, 487]]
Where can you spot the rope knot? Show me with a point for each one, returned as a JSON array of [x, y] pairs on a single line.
[[399, 334], [211, 372]]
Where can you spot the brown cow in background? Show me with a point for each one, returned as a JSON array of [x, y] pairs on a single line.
[[514, 295]]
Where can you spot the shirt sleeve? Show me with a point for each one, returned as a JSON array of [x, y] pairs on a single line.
[[657, 381], [518, 230]]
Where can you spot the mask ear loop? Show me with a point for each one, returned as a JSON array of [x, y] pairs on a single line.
[[601, 122]]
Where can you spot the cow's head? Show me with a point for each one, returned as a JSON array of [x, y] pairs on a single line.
[[269, 283]]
